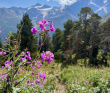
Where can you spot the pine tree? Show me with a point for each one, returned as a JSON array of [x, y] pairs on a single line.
[[105, 41], [67, 34], [57, 39], [26, 35], [94, 38], [84, 13]]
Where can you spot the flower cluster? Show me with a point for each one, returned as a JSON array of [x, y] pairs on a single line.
[[19, 70], [3, 53], [34, 30], [43, 23], [87, 82], [39, 78], [14, 62], [26, 56], [51, 26], [38, 64], [32, 67], [42, 77], [3, 76], [47, 56], [7, 63], [6, 39]]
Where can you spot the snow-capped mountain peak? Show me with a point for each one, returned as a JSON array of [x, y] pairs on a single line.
[[59, 15]]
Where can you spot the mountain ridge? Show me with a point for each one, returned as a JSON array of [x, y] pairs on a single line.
[[10, 17]]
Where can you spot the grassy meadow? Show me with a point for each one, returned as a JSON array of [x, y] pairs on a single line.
[[64, 78]]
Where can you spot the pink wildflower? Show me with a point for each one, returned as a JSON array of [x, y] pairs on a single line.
[[28, 81], [29, 62], [19, 70], [37, 72], [6, 63], [32, 73], [51, 26], [91, 82], [40, 64], [2, 67], [4, 76], [47, 56], [43, 75], [37, 80], [31, 83], [42, 24], [34, 30]]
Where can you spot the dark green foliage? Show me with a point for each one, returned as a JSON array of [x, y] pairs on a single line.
[[45, 42], [26, 35], [81, 38], [105, 41], [57, 39], [13, 39], [58, 55], [67, 34], [94, 38]]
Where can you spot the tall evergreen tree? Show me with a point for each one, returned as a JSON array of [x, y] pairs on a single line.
[[57, 39], [26, 35], [94, 38], [84, 15], [67, 34], [105, 41], [69, 39]]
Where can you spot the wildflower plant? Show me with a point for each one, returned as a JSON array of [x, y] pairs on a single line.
[[15, 60]]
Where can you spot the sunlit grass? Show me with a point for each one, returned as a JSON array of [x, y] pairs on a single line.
[[68, 75]]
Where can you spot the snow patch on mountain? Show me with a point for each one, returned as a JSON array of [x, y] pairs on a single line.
[[37, 6], [29, 8], [66, 2], [55, 16], [45, 11], [62, 7]]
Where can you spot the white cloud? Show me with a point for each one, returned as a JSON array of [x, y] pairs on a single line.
[[48, 0], [102, 8], [66, 2], [105, 1], [91, 2]]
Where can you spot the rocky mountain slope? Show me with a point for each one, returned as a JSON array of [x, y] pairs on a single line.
[[10, 17]]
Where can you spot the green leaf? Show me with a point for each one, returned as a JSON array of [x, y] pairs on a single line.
[[16, 90], [22, 62], [9, 68], [1, 91], [18, 58], [19, 81]]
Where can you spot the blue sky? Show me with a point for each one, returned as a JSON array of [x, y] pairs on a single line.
[[28, 3]]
